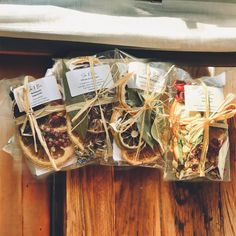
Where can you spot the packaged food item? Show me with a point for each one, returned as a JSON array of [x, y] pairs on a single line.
[[198, 120], [140, 124], [40, 119], [90, 96]]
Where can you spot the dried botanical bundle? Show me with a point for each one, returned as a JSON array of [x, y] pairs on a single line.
[[140, 125], [199, 130], [41, 129], [90, 95]]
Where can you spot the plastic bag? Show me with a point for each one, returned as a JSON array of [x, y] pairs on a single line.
[[140, 124], [40, 132], [90, 84], [198, 118]]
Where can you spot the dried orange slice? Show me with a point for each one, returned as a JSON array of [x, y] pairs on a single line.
[[128, 142], [54, 131], [145, 156]]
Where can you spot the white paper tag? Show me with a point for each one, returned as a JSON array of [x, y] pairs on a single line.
[[116, 152], [139, 80], [195, 100], [222, 157], [40, 91], [80, 81], [39, 171]]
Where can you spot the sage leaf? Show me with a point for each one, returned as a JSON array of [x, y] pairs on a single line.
[[82, 128], [158, 130], [147, 137]]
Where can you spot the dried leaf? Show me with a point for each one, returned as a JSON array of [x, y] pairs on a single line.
[[134, 97], [147, 137], [158, 130], [83, 127]]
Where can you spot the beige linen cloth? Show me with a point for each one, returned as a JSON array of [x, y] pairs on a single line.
[[162, 30]]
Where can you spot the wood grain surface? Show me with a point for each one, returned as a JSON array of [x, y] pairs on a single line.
[[24, 201], [105, 201]]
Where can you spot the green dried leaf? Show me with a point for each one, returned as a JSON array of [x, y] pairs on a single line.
[[158, 130], [83, 127], [147, 137], [134, 97]]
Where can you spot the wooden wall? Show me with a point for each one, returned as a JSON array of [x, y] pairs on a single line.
[[24, 201]]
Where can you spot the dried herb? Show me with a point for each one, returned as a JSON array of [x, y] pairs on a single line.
[[158, 129], [147, 137], [134, 97], [83, 127]]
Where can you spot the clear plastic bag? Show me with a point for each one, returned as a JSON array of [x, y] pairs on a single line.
[[140, 124], [40, 131], [199, 145], [7, 126], [90, 85]]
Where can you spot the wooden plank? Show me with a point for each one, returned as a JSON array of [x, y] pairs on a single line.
[[138, 202], [35, 205], [24, 200], [228, 190], [90, 201], [10, 196]]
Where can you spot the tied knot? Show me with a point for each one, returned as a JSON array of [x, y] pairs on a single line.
[[30, 112], [99, 95], [147, 106]]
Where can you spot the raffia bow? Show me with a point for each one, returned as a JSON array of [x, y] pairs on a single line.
[[98, 100], [201, 125], [32, 116]]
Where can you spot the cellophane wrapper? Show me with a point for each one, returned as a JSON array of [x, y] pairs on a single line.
[[183, 157], [52, 127], [140, 123], [90, 94]]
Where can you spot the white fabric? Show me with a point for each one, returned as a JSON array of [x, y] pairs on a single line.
[[182, 32]]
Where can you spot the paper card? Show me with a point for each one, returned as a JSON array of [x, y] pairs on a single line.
[[80, 81], [139, 80], [222, 157], [195, 100], [41, 171], [116, 152], [40, 91]]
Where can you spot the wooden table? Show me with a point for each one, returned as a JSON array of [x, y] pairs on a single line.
[[103, 201]]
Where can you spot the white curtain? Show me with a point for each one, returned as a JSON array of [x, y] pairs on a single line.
[[119, 23]]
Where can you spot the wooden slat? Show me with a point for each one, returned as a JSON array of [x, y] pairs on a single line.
[[35, 205], [228, 190], [137, 202], [24, 201], [10, 196], [90, 198]]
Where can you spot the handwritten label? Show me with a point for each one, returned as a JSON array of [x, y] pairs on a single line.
[[195, 98], [40, 91], [80, 81], [139, 79]]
